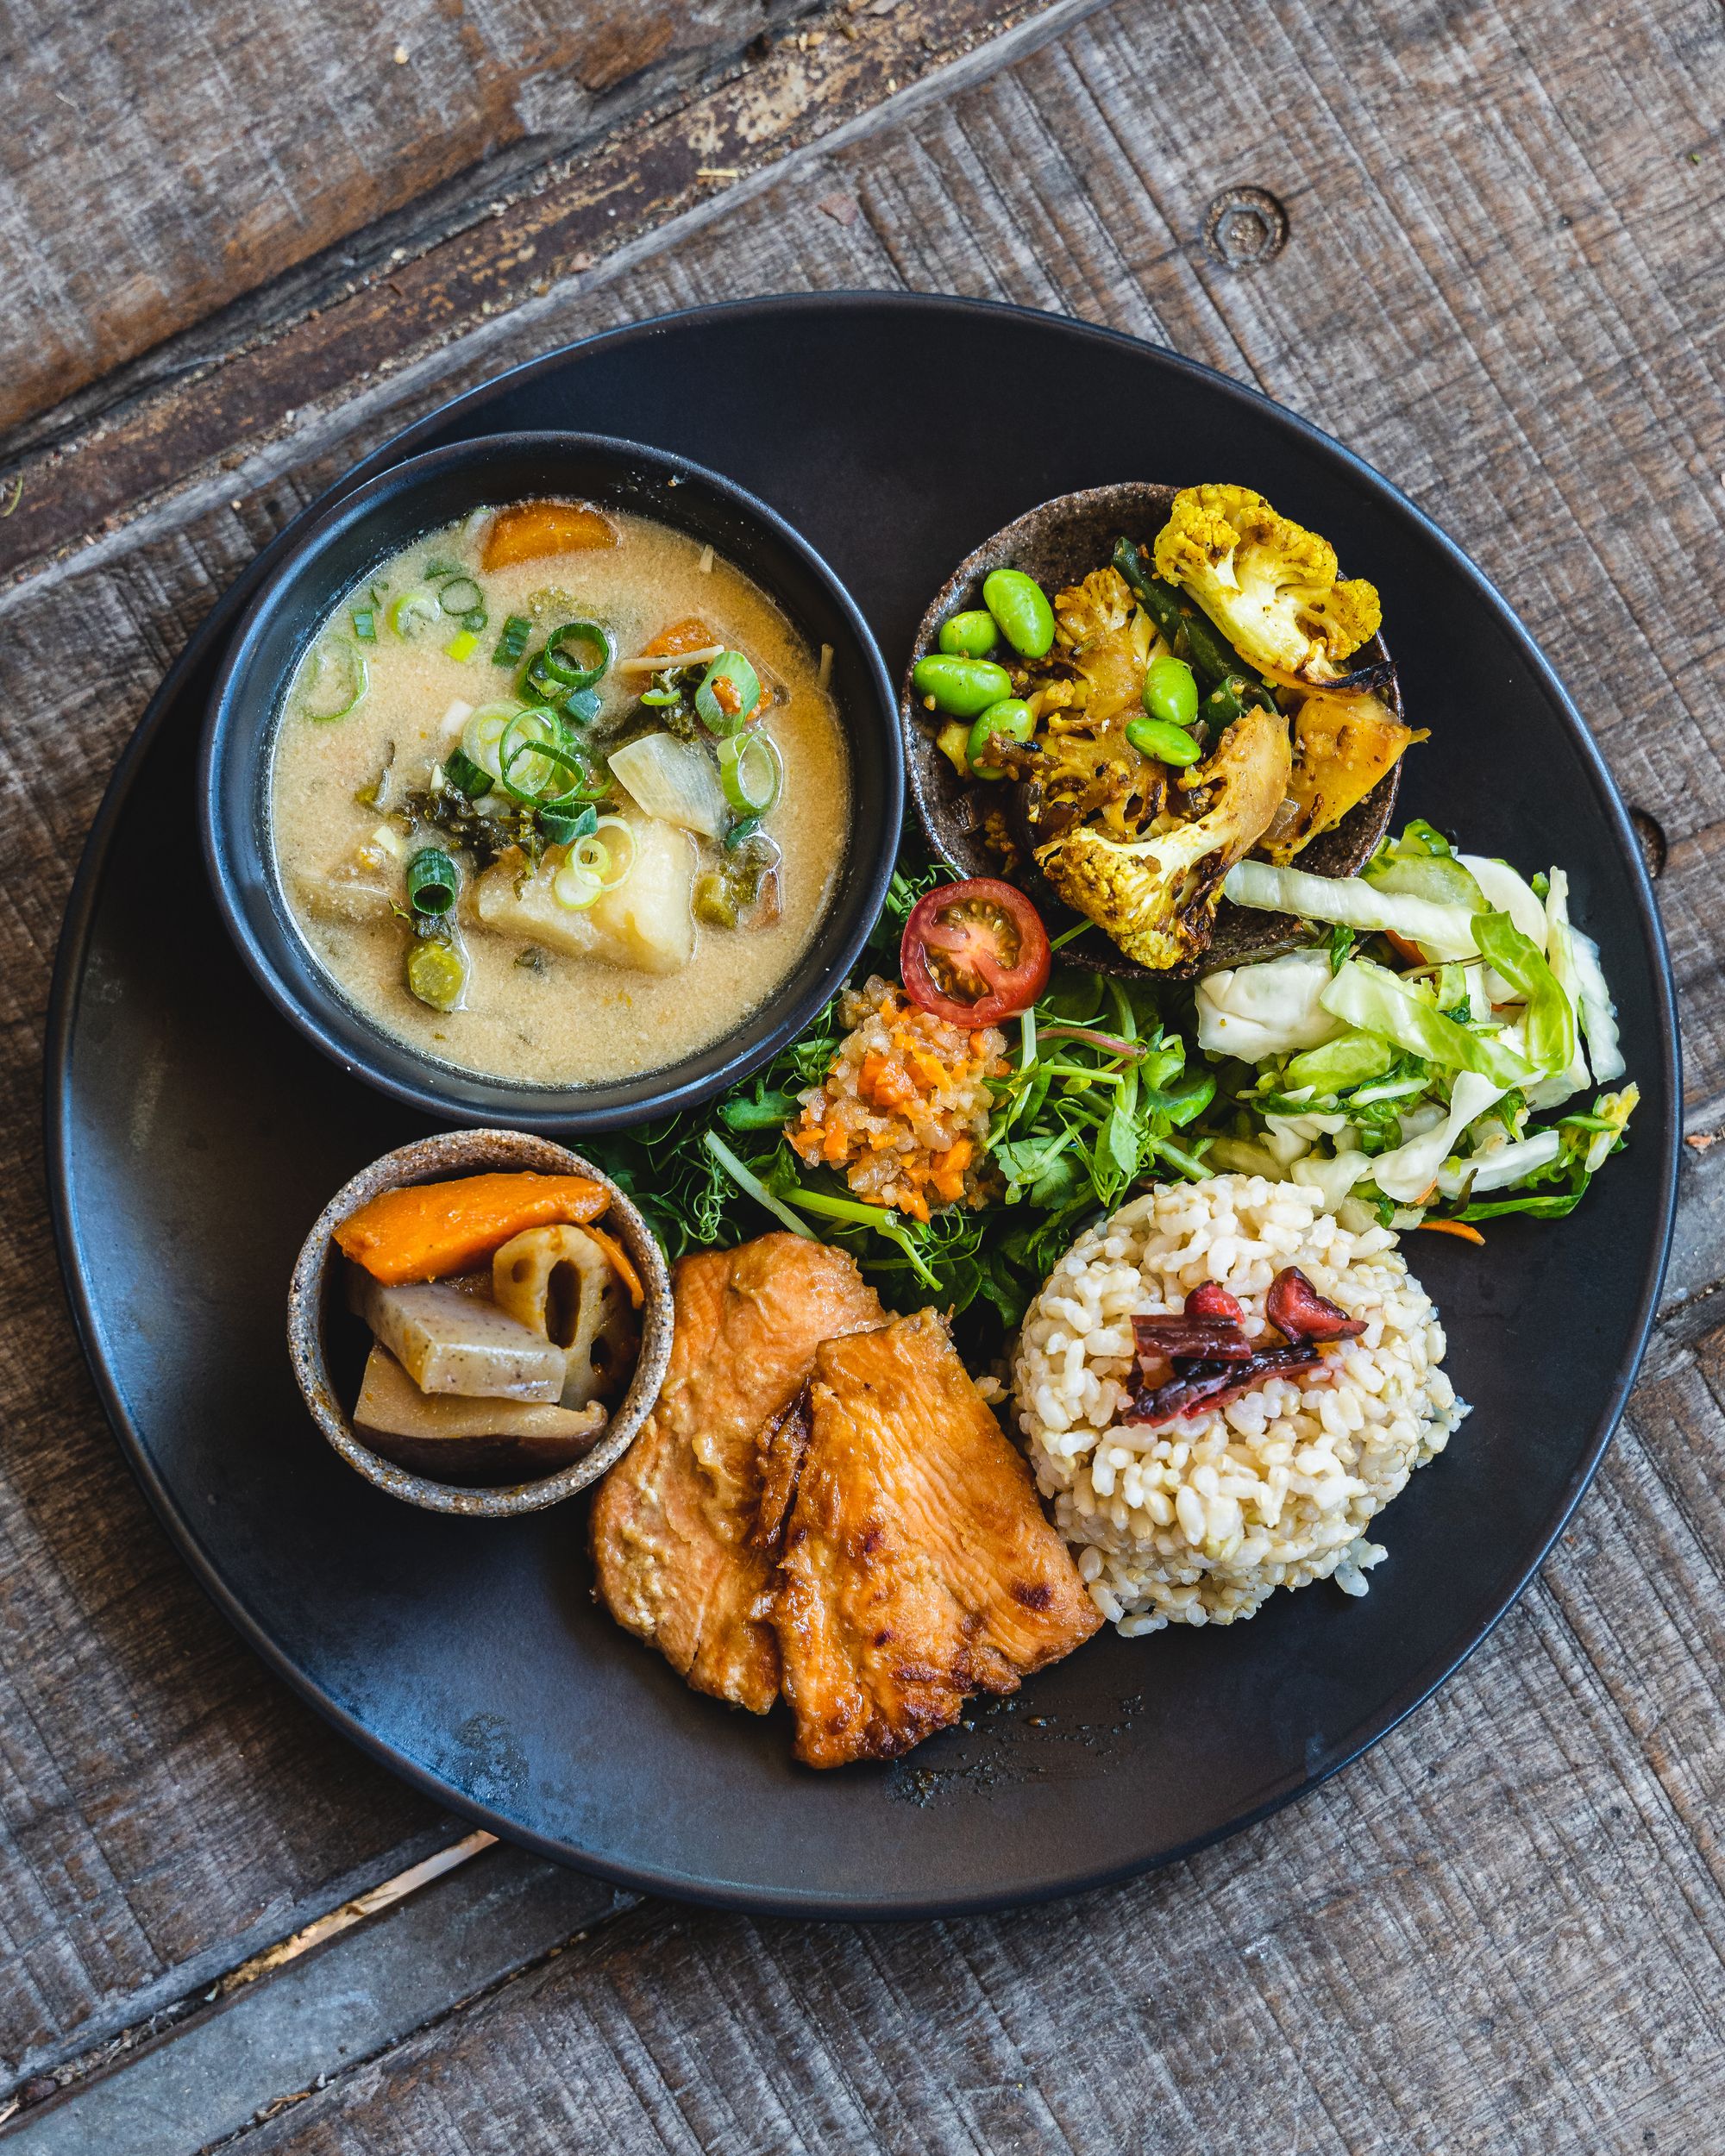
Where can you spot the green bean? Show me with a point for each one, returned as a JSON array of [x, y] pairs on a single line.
[[970, 636], [1010, 718], [1190, 635], [1020, 605], [1167, 743], [963, 687], [1232, 695]]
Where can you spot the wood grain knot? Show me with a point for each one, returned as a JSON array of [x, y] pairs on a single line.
[[1651, 838], [1244, 227]]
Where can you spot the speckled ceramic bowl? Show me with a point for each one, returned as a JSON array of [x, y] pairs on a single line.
[[314, 1298], [1059, 542]]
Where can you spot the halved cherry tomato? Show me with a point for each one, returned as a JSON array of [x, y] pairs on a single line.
[[975, 953]]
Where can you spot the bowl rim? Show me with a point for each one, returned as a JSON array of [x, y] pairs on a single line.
[[335, 1025], [450, 1155]]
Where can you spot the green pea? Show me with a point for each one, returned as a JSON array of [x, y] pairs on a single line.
[[1171, 691], [972, 636], [962, 686], [1009, 717], [1160, 738], [1019, 605]]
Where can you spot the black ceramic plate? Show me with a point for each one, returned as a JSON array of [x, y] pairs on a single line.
[[193, 1138]]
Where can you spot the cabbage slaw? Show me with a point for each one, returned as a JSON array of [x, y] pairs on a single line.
[[1412, 1070]]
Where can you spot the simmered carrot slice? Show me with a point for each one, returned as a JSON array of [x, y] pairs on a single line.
[[530, 530], [622, 1263], [430, 1231], [691, 634]]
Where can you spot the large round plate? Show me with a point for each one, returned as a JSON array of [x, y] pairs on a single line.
[[193, 1138]]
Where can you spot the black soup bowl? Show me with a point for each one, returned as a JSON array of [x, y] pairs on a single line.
[[351, 538]]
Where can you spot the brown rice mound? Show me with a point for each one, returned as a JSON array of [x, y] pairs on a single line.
[[1200, 1521]]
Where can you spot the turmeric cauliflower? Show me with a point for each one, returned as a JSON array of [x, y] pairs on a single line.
[[1106, 639], [1269, 585], [1157, 897]]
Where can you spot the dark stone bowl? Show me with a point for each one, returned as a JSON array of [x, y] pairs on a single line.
[[337, 544], [1058, 543], [315, 1309]]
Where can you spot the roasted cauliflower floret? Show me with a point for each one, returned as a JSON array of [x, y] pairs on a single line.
[[1099, 606], [1103, 635], [1269, 585], [1157, 897]]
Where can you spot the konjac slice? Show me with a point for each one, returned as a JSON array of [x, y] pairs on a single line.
[[390, 1406], [449, 1340]]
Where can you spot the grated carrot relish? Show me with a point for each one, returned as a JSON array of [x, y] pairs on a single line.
[[903, 1111]]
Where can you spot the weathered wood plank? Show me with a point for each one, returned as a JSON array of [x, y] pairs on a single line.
[[342, 120], [414, 300], [358, 1997], [1497, 1932]]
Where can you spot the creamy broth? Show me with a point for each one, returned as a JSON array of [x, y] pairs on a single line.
[[351, 804]]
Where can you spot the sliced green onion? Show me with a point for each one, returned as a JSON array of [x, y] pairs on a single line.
[[337, 682], [536, 762], [462, 774], [463, 645], [437, 567], [576, 888], [752, 772], [569, 666], [729, 691], [741, 831], [660, 696], [432, 881], [365, 624], [410, 609], [581, 707], [484, 729], [561, 829], [436, 975], [607, 851], [516, 629], [461, 595]]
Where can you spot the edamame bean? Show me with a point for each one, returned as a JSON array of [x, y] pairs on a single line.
[[965, 687], [1171, 691], [1008, 718], [971, 636], [1019, 605], [1167, 743]]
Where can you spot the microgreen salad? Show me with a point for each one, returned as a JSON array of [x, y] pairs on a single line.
[[1442, 1058]]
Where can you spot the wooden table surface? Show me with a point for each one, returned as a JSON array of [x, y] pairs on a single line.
[[238, 250]]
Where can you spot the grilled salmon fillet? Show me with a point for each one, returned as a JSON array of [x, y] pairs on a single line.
[[917, 1566], [674, 1524]]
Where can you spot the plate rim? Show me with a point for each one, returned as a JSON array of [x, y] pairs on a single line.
[[71, 956]]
